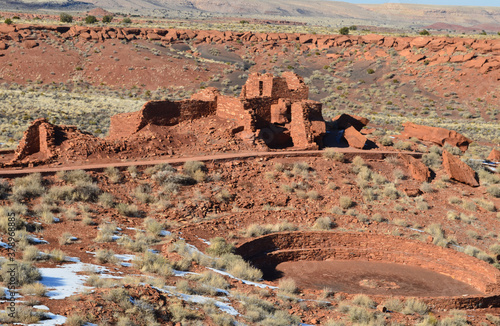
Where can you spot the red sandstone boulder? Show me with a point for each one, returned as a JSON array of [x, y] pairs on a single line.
[[476, 63], [420, 42], [373, 38], [6, 29], [30, 44], [3, 46], [345, 121], [458, 170], [419, 171], [354, 138], [494, 156], [436, 135]]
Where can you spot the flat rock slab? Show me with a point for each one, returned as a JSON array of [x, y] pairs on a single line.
[[354, 138], [419, 171], [458, 170], [436, 135]]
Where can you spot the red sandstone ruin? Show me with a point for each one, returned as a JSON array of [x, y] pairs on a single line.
[[270, 110], [274, 109]]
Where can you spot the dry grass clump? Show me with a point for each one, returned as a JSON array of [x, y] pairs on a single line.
[[288, 286], [23, 314], [130, 210], [106, 232], [195, 170], [346, 202], [438, 236], [114, 175], [414, 306], [393, 304], [323, 223], [332, 154], [74, 176], [104, 256], [35, 289], [27, 273], [153, 263], [257, 230], [29, 186], [363, 301], [219, 246]]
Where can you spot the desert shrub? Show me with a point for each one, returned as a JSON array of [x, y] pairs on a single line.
[[140, 243], [300, 168], [219, 246], [438, 236], [223, 196], [495, 249], [105, 232], [323, 223], [211, 279], [469, 205], [36, 289], [456, 318], [391, 192], [332, 154], [345, 202], [107, 19], [26, 272], [182, 314], [91, 19], [57, 255], [29, 186], [126, 20], [7, 221], [153, 263], [363, 301], [427, 187], [23, 315], [106, 256], [393, 304], [74, 176], [288, 286], [4, 188], [403, 145], [106, 200], [129, 210], [424, 32], [357, 164], [377, 217], [495, 320], [143, 194], [478, 253], [344, 30], [360, 315], [486, 204], [195, 169], [152, 226], [455, 200], [65, 18], [386, 141], [432, 160], [75, 320], [114, 175], [414, 306], [31, 253], [8, 21], [494, 191]]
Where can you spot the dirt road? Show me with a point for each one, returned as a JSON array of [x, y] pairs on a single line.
[[13, 172]]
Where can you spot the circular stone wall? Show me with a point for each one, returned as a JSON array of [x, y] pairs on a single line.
[[453, 279]]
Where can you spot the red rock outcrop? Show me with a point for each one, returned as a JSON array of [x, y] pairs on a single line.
[[344, 121], [436, 135], [487, 49], [458, 170], [354, 138], [419, 171], [494, 156]]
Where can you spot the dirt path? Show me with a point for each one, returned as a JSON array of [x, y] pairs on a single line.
[[12, 172]]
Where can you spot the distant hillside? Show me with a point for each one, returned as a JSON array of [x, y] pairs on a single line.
[[44, 4]]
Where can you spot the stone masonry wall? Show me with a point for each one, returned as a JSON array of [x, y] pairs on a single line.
[[233, 109], [307, 124]]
